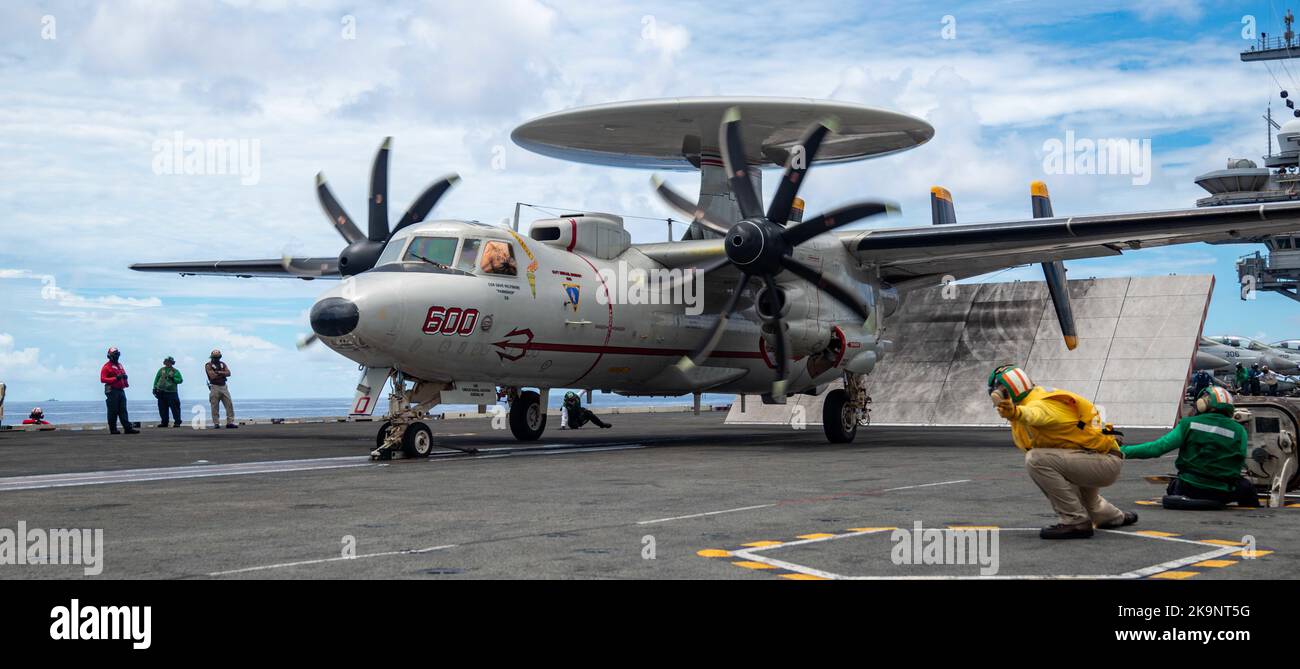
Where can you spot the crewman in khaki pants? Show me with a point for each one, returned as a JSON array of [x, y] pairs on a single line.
[[1069, 454], [218, 393]]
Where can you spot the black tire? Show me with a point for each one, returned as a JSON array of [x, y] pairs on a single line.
[[383, 432], [527, 416], [417, 441], [839, 420]]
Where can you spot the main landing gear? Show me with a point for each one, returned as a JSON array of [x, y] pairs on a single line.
[[845, 409], [527, 413], [405, 430]]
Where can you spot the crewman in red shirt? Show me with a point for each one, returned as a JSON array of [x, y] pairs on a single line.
[[113, 376]]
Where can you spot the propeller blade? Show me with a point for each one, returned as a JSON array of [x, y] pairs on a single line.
[[378, 223], [686, 207], [342, 222], [1054, 272], [942, 211], [1040, 200], [782, 351], [795, 169], [307, 341], [715, 336], [733, 158], [425, 203], [676, 285], [835, 218], [835, 290]]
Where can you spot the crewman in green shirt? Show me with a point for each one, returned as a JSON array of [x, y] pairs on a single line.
[[1212, 450], [164, 388], [1240, 376]]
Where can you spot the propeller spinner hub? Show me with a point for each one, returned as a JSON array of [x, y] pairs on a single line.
[[755, 245]]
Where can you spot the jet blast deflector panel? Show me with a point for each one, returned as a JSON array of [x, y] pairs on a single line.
[[1137, 342]]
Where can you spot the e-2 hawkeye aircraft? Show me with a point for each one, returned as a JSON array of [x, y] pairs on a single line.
[[453, 311]]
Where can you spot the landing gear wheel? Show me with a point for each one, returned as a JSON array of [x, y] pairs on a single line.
[[382, 434], [417, 441], [839, 417], [527, 416]]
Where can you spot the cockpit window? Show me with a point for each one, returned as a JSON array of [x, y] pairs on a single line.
[[498, 258], [468, 254], [440, 250]]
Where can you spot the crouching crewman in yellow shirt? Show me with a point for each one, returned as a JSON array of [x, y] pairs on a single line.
[[1068, 452]]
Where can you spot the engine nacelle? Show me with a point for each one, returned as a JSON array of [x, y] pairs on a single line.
[[861, 349]]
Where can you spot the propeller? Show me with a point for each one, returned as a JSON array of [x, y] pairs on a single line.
[[363, 249], [1054, 272], [761, 245]]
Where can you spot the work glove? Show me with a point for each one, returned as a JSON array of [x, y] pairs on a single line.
[[1008, 409]]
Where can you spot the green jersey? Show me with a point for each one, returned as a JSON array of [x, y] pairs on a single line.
[[1211, 447], [167, 379]]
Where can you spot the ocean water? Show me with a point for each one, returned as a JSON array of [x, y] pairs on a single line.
[[144, 409]]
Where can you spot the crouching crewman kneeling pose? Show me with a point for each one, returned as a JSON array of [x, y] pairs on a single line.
[[1069, 454], [1212, 451]]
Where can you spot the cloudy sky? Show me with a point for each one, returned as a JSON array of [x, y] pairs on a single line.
[[91, 89]]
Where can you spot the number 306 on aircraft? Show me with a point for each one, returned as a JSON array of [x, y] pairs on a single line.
[[455, 320]]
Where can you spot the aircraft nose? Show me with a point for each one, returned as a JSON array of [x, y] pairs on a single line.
[[334, 317]]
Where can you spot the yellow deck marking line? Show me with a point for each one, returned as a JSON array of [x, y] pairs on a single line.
[[1174, 575], [1147, 502], [760, 544], [1293, 506], [1222, 542], [753, 555], [1215, 563], [865, 530], [1154, 533], [713, 553], [804, 577], [1251, 554], [818, 535], [753, 565]]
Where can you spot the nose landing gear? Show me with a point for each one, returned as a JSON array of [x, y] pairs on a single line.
[[404, 430]]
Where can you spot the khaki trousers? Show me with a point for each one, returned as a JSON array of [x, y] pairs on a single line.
[[217, 396], [1070, 477]]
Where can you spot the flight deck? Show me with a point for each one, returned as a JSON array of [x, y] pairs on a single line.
[[656, 497]]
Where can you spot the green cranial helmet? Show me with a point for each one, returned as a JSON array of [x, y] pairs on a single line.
[[1215, 400], [570, 396], [1013, 379]]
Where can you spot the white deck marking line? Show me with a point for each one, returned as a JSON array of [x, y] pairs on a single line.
[[764, 506], [706, 513], [752, 554], [925, 485], [43, 481], [282, 565], [1181, 562]]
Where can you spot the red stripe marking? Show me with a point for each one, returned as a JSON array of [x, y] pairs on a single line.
[[573, 234], [609, 324], [624, 350]]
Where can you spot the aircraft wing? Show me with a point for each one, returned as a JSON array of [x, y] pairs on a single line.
[[294, 268], [916, 255]]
